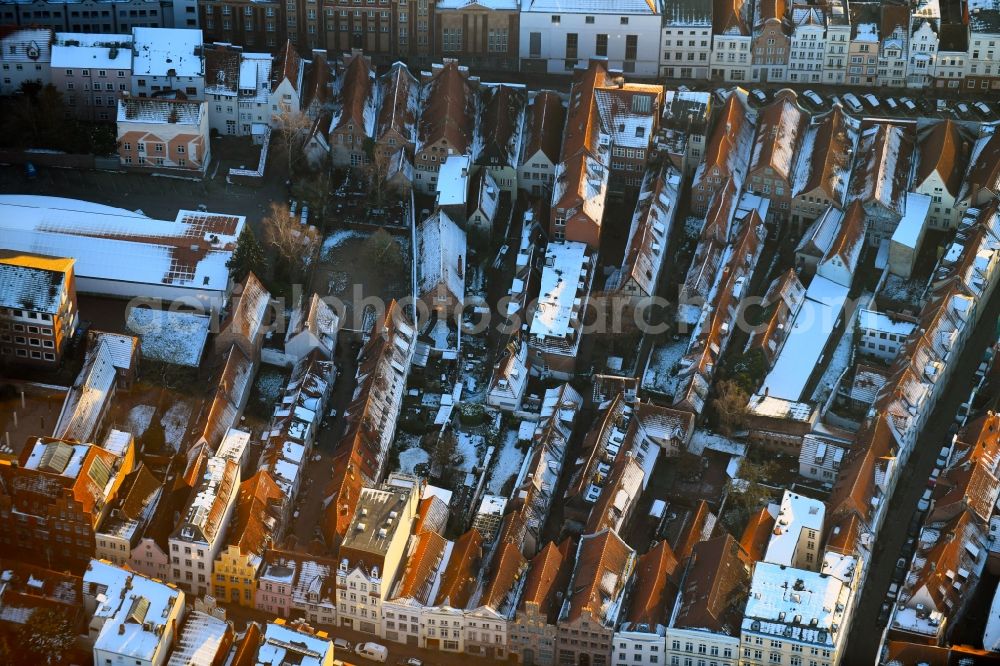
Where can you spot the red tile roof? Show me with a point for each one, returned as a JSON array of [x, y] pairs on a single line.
[[544, 126], [654, 592], [459, 580], [548, 576]]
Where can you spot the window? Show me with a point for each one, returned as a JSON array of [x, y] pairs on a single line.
[[624, 20], [556, 18], [631, 46], [535, 45], [589, 20], [601, 46], [571, 45]]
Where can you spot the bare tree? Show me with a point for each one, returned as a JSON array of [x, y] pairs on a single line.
[[730, 406], [295, 243], [376, 171], [294, 127]]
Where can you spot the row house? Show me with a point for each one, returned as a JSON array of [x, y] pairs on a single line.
[[499, 133], [237, 89], [555, 38], [593, 608], [257, 521], [838, 37], [882, 175], [824, 165], [772, 42], [863, 48], [715, 235], [448, 116], [882, 335], [288, 442], [166, 59], [641, 635], [243, 324], [287, 82], [924, 28], [91, 70], [25, 58], [541, 142], [984, 39], [686, 43], [371, 552], [630, 115], [131, 513], [441, 253], [821, 455], [942, 160], [532, 634], [780, 305], [894, 45], [771, 172], [808, 44], [618, 497], [54, 497], [716, 316], [38, 311], [556, 328], [253, 24], [953, 52], [354, 112], [969, 482], [483, 34], [293, 582], [396, 125], [982, 179], [684, 128], [731, 41], [649, 235], [283, 643], [198, 537], [162, 135], [90, 16], [727, 154], [817, 240], [705, 617]]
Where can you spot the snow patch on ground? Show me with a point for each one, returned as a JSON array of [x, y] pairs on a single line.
[[508, 463], [338, 238], [469, 446], [703, 439], [175, 422], [139, 418], [410, 458], [661, 371], [841, 357]]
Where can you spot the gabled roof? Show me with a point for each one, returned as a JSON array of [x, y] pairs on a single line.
[[714, 588], [882, 174], [603, 565], [944, 151], [399, 99], [850, 238], [423, 559], [459, 579], [728, 18], [618, 497], [694, 531], [448, 110], [757, 534], [770, 10], [441, 254], [499, 127], [548, 576], [256, 514], [947, 562], [290, 67], [779, 131], [508, 569], [654, 590], [247, 318], [826, 156], [138, 489], [354, 99], [728, 148], [856, 485], [970, 481], [317, 82], [543, 127], [647, 245]]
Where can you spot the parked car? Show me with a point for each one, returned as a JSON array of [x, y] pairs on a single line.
[[815, 99], [893, 591], [853, 103], [908, 103], [759, 95], [933, 478], [341, 644], [962, 413], [943, 454], [722, 94], [412, 661], [372, 651], [892, 104], [963, 109], [871, 100], [916, 522], [983, 109], [941, 105], [924, 502], [883, 613], [304, 217]]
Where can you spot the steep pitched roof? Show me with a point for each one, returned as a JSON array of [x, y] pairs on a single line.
[[779, 131], [422, 561], [728, 148], [459, 580], [757, 534], [984, 167], [850, 238], [544, 126], [499, 127], [136, 491], [856, 484], [715, 585], [399, 95], [602, 566], [654, 590], [728, 18], [449, 109], [354, 97], [882, 175], [508, 568], [944, 151], [256, 514], [827, 154], [548, 576], [290, 66]]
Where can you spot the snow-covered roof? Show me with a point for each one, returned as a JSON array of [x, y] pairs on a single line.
[[86, 402], [991, 637], [139, 612], [96, 51], [170, 336], [32, 282], [687, 13], [810, 331], [492, 505], [779, 131], [284, 645], [883, 171], [646, 7], [649, 234], [629, 113], [114, 244], [796, 513], [796, 604], [27, 45], [911, 227], [563, 279], [780, 408], [871, 320], [441, 254], [160, 110], [167, 52], [453, 181], [495, 5], [200, 640], [866, 32]]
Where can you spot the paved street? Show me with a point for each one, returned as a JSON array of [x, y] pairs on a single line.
[[864, 638]]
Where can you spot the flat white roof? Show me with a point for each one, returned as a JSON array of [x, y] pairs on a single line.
[[806, 340], [159, 51], [493, 504], [883, 323], [795, 514], [115, 244], [170, 336], [283, 645], [769, 405], [83, 50], [592, 7], [565, 267], [796, 604], [453, 180], [911, 227]]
